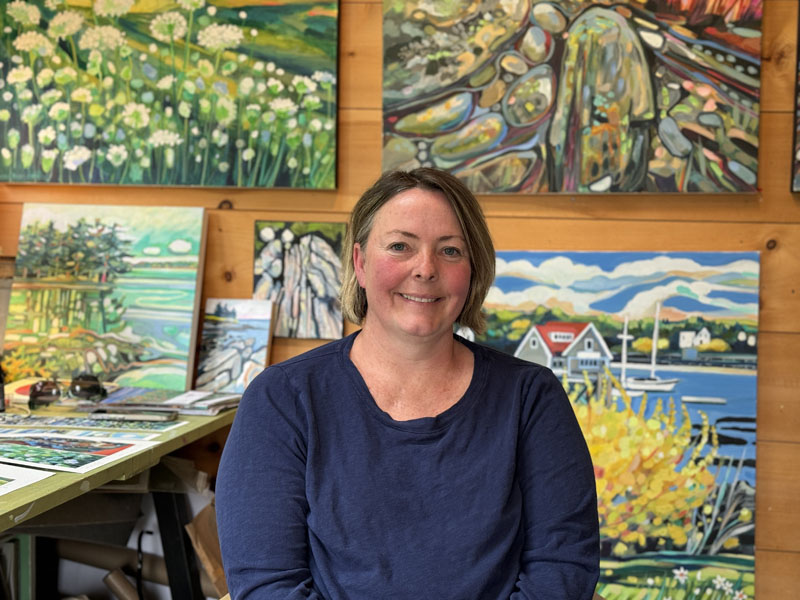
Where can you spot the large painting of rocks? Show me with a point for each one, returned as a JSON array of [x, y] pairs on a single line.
[[298, 267], [224, 93], [575, 96], [658, 354], [234, 344], [110, 290]]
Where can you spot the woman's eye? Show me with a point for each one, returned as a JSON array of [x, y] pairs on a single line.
[[451, 251], [398, 246]]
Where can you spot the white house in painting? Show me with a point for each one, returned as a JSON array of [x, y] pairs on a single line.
[[693, 339], [562, 346]]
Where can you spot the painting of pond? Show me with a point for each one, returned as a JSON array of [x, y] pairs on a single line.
[[110, 290]]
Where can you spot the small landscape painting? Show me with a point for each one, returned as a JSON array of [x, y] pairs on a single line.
[[657, 352], [220, 93], [65, 453], [298, 267], [234, 345], [109, 290], [575, 96]]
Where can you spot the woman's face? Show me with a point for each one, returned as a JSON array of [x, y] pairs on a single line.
[[415, 267]]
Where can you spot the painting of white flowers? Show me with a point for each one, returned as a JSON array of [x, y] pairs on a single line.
[[223, 93]]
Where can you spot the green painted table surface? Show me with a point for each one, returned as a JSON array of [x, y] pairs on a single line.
[[37, 498]]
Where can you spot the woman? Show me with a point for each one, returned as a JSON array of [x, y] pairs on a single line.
[[404, 461]]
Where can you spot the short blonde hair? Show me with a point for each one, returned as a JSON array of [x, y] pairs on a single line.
[[473, 226]]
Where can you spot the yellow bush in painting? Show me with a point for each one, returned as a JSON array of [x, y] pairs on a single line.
[[646, 491]]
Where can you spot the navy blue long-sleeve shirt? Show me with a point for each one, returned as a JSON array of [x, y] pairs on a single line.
[[321, 494]]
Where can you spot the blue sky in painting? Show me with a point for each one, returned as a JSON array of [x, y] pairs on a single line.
[[712, 284]]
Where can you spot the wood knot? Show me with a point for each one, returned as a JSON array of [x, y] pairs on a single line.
[[228, 275], [225, 204], [772, 244]]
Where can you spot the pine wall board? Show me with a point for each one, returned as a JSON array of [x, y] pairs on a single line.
[[767, 221]]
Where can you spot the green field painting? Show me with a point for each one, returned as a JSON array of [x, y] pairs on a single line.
[[223, 93]]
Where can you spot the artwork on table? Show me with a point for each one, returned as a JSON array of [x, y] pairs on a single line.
[[575, 97], [112, 290], [91, 433], [76, 423], [162, 93], [234, 343], [298, 267], [13, 478], [65, 453], [657, 352]]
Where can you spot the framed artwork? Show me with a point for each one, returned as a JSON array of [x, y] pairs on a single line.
[[575, 97], [657, 352], [234, 344], [169, 93], [298, 267], [116, 294]]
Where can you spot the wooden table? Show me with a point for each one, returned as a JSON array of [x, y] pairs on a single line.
[[20, 505]]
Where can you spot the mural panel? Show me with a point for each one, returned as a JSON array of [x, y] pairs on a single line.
[[657, 352], [575, 96], [227, 93], [115, 294], [298, 267]]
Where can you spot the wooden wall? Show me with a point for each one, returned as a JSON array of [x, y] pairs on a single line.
[[768, 221]]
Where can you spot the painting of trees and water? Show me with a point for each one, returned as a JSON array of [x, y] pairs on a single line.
[[297, 266], [234, 344], [575, 96], [112, 290], [657, 352], [221, 93]]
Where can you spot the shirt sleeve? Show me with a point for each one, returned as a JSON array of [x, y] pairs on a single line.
[[561, 552], [260, 495]]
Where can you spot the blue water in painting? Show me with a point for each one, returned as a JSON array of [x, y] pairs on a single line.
[[735, 421], [159, 305]]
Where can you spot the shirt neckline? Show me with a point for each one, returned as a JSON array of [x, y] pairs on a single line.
[[423, 424]]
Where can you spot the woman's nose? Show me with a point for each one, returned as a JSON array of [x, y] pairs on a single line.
[[425, 269]]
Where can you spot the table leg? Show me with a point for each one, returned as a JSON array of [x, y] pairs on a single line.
[[184, 577]]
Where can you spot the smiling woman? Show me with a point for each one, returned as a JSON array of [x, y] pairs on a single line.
[[405, 461]]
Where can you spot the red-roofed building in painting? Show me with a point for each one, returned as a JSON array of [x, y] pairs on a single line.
[[564, 346]]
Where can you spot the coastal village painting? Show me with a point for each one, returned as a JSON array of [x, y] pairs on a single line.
[[115, 294], [297, 266], [657, 352], [234, 344], [223, 93], [575, 96]]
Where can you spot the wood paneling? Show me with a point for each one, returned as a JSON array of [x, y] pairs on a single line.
[[767, 221], [776, 574]]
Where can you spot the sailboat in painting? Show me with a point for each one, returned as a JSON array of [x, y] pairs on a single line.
[[651, 383]]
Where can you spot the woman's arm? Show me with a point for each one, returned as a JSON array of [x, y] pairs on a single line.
[[561, 553], [260, 495]]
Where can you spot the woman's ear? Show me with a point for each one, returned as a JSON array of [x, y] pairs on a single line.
[[358, 263]]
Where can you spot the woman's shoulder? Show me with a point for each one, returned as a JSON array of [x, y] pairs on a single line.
[[498, 359]]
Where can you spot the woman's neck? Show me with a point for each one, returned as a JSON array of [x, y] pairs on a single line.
[[415, 378]]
